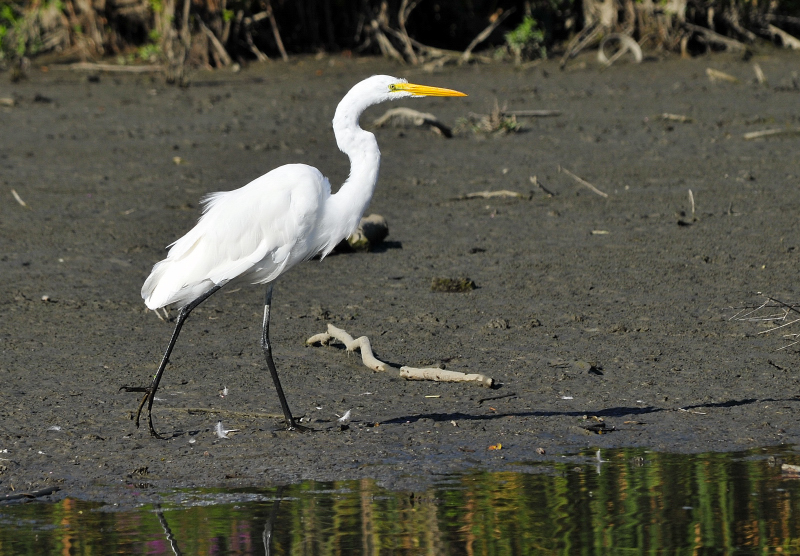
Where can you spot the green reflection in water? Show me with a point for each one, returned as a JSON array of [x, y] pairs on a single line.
[[636, 502]]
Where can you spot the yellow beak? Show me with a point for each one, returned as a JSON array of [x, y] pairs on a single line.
[[425, 91]]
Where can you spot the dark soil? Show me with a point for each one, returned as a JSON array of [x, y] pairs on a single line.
[[586, 307]]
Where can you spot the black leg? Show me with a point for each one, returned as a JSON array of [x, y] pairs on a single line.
[[290, 423], [150, 391]]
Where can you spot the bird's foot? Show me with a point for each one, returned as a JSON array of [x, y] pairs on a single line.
[[153, 431], [293, 426], [147, 393]]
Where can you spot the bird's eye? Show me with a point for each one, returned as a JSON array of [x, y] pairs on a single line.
[[393, 87]]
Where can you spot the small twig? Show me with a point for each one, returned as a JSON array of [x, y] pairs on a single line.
[[778, 327], [771, 133], [716, 75], [223, 412], [535, 181], [676, 118], [491, 194], [760, 77], [582, 182], [19, 199], [691, 201]]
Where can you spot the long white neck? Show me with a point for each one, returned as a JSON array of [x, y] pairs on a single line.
[[348, 204]]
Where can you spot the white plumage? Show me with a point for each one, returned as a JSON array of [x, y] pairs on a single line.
[[252, 234], [257, 232]]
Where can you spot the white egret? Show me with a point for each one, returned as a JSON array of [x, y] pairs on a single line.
[[256, 233]]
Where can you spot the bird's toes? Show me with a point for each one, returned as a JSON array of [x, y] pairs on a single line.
[[299, 428]]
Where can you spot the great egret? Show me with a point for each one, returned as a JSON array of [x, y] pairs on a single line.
[[256, 233]]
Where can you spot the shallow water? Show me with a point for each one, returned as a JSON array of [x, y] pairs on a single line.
[[630, 500]]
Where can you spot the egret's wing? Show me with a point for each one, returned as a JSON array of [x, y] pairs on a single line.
[[253, 233]]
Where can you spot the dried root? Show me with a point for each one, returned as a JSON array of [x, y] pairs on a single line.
[[408, 373]]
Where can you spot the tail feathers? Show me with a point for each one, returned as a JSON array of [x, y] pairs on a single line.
[[163, 288]]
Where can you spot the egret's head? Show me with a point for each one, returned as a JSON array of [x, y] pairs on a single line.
[[382, 88]]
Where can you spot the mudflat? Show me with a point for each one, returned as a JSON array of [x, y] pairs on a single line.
[[608, 312]]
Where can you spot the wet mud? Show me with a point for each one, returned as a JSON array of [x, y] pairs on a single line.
[[607, 312]]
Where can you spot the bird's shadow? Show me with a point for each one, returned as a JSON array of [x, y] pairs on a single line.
[[384, 246], [608, 412]]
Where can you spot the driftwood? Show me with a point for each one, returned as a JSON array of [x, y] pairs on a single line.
[[787, 40], [440, 375], [221, 55], [350, 344], [709, 36], [588, 35], [409, 373], [402, 116], [626, 44]]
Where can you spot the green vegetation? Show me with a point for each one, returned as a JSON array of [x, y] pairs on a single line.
[[527, 40], [12, 40], [218, 32]]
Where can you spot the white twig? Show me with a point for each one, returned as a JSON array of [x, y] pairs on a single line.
[[772, 132], [491, 194], [582, 181], [408, 373], [19, 199], [440, 375]]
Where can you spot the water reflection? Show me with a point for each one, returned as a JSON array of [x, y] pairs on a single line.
[[626, 501]]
